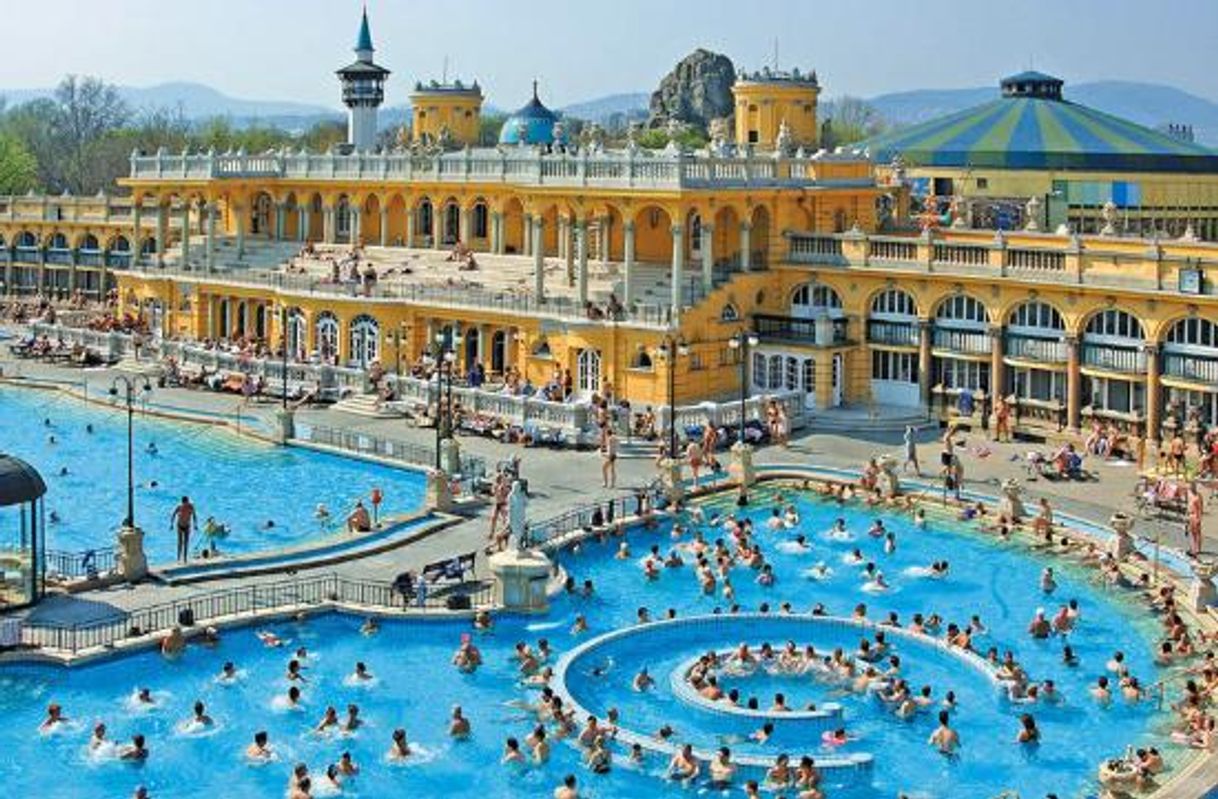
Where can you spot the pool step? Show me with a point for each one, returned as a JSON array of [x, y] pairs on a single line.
[[368, 405]]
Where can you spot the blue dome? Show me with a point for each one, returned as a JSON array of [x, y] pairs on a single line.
[[532, 124]]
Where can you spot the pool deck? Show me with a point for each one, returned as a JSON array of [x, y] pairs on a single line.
[[559, 480]]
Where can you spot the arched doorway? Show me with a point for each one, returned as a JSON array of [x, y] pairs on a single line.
[[326, 329], [498, 352], [588, 368], [261, 219], [365, 341], [472, 344], [653, 235], [424, 218]]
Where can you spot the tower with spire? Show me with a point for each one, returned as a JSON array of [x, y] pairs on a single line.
[[363, 90]]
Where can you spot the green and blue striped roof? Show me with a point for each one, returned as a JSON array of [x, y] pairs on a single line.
[[1031, 127]]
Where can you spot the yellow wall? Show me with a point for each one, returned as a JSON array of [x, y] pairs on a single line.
[[459, 111], [762, 106]]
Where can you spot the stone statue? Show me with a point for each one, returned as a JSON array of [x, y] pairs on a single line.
[[1011, 505], [518, 505], [673, 128], [784, 141], [1109, 215], [1122, 543], [888, 482], [959, 209], [632, 137], [718, 136], [1032, 211]]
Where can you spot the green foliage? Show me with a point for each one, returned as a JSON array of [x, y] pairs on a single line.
[[851, 120], [489, 127], [18, 167], [657, 139]]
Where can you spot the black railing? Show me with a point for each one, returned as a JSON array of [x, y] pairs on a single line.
[[87, 563], [590, 516], [324, 590], [472, 466], [904, 334], [804, 331]]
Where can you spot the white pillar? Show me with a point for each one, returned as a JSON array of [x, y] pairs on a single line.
[[410, 227], [746, 246], [567, 247], [384, 227], [302, 223], [239, 213], [210, 249], [527, 244], [628, 285], [162, 232], [437, 227], [328, 223], [678, 263], [185, 232], [136, 225], [604, 234], [496, 231], [708, 257], [463, 228], [281, 220], [581, 275], [356, 223], [539, 261]]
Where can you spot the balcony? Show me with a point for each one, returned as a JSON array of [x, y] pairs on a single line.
[[823, 332], [897, 334], [963, 341], [1129, 360], [1044, 350], [1191, 367]]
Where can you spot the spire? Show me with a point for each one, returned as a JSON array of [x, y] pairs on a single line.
[[535, 88], [363, 45]]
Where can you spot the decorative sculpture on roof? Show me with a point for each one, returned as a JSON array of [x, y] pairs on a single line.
[[784, 141], [718, 131], [1109, 215], [674, 128], [1032, 210], [632, 137]]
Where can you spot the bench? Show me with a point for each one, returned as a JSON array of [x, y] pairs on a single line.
[[449, 569]]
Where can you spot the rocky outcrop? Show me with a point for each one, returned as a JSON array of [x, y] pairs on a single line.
[[697, 90]]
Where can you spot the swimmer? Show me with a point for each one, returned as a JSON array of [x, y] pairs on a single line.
[[144, 697], [890, 543], [944, 738], [269, 639], [643, 681], [346, 766], [98, 739], [134, 751], [329, 719], [511, 753], [321, 512], [370, 627], [795, 547], [53, 517], [361, 673], [1068, 656], [764, 734], [353, 722], [684, 766], [200, 717], [919, 518], [838, 531], [228, 673], [1047, 583], [399, 749], [458, 724], [820, 571], [63, 471], [260, 750], [151, 449], [580, 626]]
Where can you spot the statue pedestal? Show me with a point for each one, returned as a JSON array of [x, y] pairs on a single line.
[[670, 478], [450, 456], [520, 580], [1201, 590], [741, 467], [439, 495], [285, 425], [889, 482], [1122, 545], [132, 563]]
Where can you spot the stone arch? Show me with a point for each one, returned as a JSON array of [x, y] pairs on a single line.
[[88, 242], [479, 224], [395, 220], [891, 302], [450, 221], [424, 219], [261, 214], [813, 299], [513, 225], [961, 309], [59, 241], [726, 238], [653, 234], [291, 217], [370, 219], [315, 218], [1034, 314], [26, 239], [1112, 323], [761, 221]]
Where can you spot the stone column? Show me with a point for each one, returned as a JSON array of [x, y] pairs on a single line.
[[210, 249], [302, 224], [581, 275], [708, 257], [162, 232], [281, 221], [746, 246], [1074, 384], [384, 227], [410, 227], [239, 213], [925, 341], [137, 238], [185, 233], [604, 234], [564, 239], [997, 366], [539, 261], [628, 284], [678, 265], [1154, 398], [437, 228], [73, 255], [527, 244], [328, 224], [496, 232], [355, 220], [463, 228]]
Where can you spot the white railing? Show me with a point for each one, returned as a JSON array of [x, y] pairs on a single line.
[[727, 414], [526, 166]]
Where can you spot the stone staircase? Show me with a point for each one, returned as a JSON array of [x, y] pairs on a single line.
[[366, 405]]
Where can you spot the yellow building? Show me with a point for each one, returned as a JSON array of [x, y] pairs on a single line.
[[446, 112], [768, 99]]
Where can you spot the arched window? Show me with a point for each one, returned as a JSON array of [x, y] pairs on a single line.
[[90, 243], [342, 217], [425, 217], [365, 341], [27, 239], [59, 242], [326, 328], [1036, 317], [641, 360], [541, 349], [961, 311], [589, 368], [120, 244], [729, 313], [1114, 325], [481, 224], [812, 300], [1192, 334], [894, 305], [297, 334]]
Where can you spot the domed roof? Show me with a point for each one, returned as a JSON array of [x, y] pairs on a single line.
[[1031, 127], [532, 124], [19, 482]]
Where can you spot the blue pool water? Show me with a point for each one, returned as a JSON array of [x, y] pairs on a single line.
[[240, 482], [416, 685]]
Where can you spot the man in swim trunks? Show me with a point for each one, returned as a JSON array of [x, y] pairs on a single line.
[[184, 519], [359, 521]]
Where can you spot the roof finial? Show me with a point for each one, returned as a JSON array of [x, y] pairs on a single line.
[[364, 42], [535, 89]]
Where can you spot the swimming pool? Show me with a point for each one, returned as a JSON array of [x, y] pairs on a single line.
[[416, 686], [242, 483]]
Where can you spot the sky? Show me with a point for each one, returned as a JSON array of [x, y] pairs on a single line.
[[288, 49]]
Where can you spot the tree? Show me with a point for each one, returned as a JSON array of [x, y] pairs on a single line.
[[851, 120], [18, 167], [89, 111], [34, 125]]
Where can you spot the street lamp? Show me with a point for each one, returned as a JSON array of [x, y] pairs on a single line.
[[743, 341], [129, 396], [445, 363], [283, 328], [670, 350]]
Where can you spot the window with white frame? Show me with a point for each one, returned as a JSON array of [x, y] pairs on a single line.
[[900, 367]]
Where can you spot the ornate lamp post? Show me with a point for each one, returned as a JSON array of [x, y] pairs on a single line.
[[447, 453], [132, 563], [742, 453], [670, 465]]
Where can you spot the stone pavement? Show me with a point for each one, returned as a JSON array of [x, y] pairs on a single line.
[[562, 479]]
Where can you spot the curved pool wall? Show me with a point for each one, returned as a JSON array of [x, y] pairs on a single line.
[[226, 476], [826, 715]]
